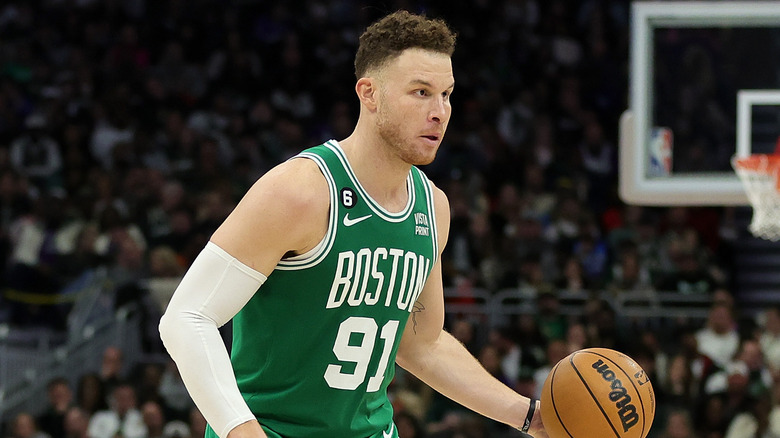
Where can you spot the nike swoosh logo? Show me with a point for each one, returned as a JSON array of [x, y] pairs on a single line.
[[390, 433], [349, 222]]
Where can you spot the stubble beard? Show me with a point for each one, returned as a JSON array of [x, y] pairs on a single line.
[[390, 133]]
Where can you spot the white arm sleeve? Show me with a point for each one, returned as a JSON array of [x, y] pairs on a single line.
[[212, 291]]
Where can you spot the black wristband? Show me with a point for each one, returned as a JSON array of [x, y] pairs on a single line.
[[529, 416]]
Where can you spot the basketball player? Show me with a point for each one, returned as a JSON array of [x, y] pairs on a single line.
[[345, 240]]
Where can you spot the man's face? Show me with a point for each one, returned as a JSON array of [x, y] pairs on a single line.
[[60, 394], [124, 399], [413, 106]]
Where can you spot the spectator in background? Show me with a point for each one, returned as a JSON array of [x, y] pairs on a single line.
[[33, 265], [177, 429], [164, 263], [177, 74], [196, 422], [576, 337], [601, 324], [122, 417], [147, 382], [769, 338], [75, 423], [711, 418], [719, 338], [760, 378], [531, 342], [689, 275], [408, 425], [91, 394], [572, 278], [15, 200], [81, 258], [153, 418], [556, 350], [509, 353], [165, 270], [173, 392], [679, 386], [592, 251], [564, 228], [490, 358], [114, 128], [748, 363], [36, 155], [464, 330], [60, 400], [471, 247], [112, 368], [531, 276], [537, 200], [734, 392], [128, 56], [157, 217], [679, 238], [702, 365], [24, 426], [182, 233], [551, 322], [116, 230], [599, 161], [678, 425], [628, 274], [757, 421], [412, 396], [525, 240], [627, 232]]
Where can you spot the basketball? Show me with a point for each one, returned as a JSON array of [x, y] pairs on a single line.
[[597, 393]]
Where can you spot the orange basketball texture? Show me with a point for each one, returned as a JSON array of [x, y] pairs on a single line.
[[597, 393]]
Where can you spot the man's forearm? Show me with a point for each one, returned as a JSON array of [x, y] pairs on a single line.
[[449, 368]]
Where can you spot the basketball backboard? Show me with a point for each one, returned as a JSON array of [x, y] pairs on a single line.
[[704, 87]]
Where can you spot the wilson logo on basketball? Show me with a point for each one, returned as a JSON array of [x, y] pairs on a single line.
[[618, 394]]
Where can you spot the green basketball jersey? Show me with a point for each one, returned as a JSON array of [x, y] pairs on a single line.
[[314, 349]]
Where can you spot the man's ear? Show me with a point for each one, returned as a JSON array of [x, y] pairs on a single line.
[[367, 90]]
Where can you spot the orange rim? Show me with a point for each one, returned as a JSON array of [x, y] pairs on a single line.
[[761, 163], [768, 163]]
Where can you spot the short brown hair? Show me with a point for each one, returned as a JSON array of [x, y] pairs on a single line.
[[401, 30]]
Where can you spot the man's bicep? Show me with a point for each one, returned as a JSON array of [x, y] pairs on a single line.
[[251, 232]]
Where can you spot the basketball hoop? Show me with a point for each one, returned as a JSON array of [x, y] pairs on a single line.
[[759, 175]]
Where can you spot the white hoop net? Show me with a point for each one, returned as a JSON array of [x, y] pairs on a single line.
[[759, 176]]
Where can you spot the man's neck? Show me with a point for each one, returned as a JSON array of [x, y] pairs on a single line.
[[381, 173]]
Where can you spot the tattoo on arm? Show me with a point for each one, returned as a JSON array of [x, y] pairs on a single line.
[[418, 307]]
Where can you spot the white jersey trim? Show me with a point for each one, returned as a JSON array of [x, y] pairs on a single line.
[[315, 255], [432, 213], [380, 211]]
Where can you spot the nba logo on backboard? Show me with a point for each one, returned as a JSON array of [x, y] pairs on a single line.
[[660, 152]]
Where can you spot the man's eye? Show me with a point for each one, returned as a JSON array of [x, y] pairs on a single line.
[[421, 93]]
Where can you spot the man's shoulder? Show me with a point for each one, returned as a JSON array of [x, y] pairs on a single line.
[[295, 179]]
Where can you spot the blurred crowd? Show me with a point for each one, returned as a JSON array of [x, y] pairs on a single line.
[[129, 129]]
